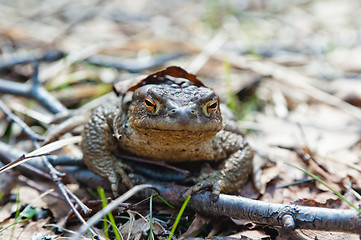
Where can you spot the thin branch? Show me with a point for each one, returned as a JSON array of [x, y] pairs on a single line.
[[63, 189], [33, 135], [65, 161], [43, 150], [39, 188], [8, 153], [55, 176], [28, 169], [65, 126], [18, 161]]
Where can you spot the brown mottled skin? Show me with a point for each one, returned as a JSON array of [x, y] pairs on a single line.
[[173, 120]]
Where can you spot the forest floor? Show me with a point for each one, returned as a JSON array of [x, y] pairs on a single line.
[[290, 70]]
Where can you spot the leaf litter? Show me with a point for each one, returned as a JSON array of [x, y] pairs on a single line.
[[306, 110]]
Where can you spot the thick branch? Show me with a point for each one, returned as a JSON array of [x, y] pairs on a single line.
[[27, 57], [267, 213], [33, 91], [273, 214]]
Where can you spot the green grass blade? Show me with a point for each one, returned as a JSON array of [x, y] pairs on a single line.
[[151, 216], [104, 204], [17, 204], [28, 215], [91, 235], [180, 213], [13, 224], [163, 200], [110, 215], [17, 213], [326, 185]]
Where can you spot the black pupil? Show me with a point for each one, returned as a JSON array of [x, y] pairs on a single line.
[[213, 105], [149, 103]]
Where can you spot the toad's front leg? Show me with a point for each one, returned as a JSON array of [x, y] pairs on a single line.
[[232, 173], [98, 146]]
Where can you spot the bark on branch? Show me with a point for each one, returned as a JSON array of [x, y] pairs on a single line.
[[272, 214]]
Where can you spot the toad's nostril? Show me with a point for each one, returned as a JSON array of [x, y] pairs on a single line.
[[172, 112], [182, 113]]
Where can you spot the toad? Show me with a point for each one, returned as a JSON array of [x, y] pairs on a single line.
[[168, 116]]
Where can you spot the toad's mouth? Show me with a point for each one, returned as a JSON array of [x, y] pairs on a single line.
[[180, 129], [176, 125]]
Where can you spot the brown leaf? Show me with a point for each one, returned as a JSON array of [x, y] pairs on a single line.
[[330, 203], [163, 76]]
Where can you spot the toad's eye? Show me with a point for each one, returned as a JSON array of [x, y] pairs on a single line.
[[211, 106], [150, 104]]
